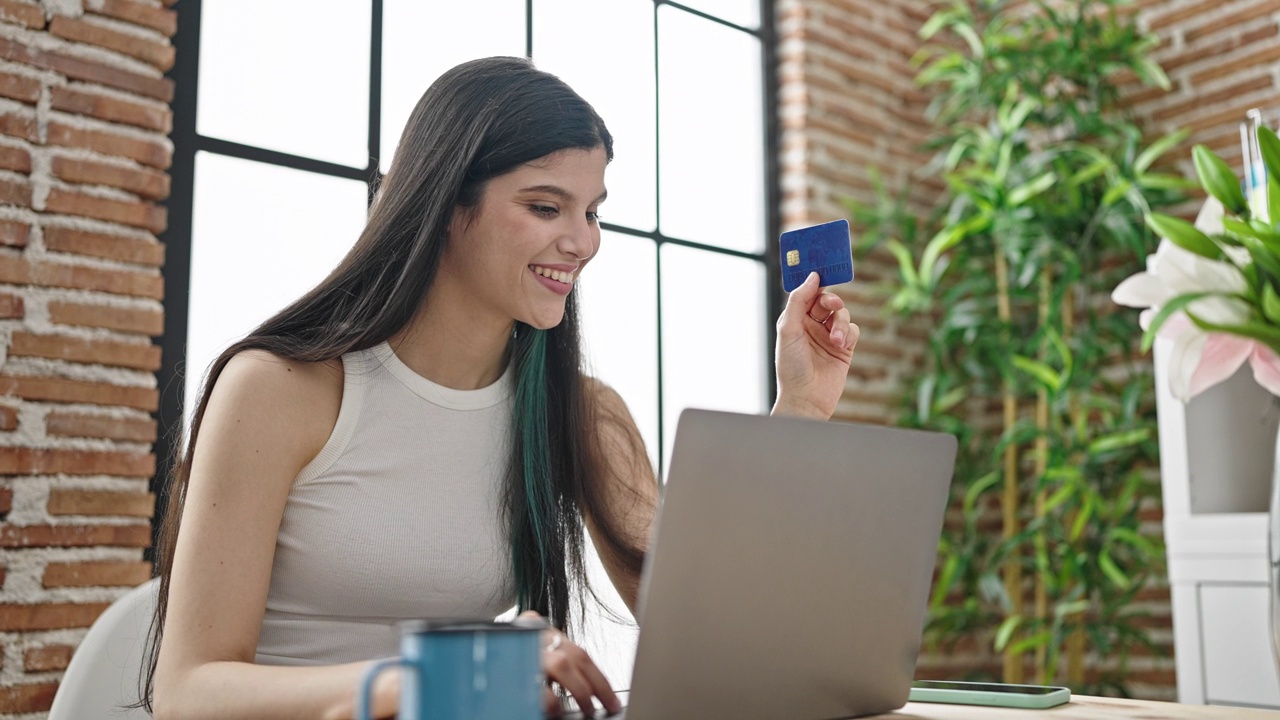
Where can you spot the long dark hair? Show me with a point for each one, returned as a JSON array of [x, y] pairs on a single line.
[[477, 121]]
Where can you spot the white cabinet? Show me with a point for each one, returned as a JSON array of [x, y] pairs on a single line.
[[1216, 456]]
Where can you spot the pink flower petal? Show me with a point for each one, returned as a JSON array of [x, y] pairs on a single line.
[[1223, 354], [1174, 327], [1266, 368]]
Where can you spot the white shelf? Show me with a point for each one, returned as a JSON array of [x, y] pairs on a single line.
[[1216, 456]]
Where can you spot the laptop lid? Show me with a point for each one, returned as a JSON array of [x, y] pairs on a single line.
[[790, 570]]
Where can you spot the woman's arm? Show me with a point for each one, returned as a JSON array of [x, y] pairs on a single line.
[[630, 489], [266, 419]]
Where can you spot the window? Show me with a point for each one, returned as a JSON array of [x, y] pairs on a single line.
[[283, 121]]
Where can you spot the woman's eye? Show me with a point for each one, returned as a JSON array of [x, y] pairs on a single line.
[[543, 210], [593, 217]]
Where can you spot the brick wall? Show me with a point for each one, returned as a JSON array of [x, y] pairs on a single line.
[[84, 114], [848, 104]]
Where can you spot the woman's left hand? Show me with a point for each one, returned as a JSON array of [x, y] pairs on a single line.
[[571, 668], [815, 345]]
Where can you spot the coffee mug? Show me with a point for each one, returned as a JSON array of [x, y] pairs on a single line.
[[465, 669]]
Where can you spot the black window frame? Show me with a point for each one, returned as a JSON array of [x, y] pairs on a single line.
[[187, 142]]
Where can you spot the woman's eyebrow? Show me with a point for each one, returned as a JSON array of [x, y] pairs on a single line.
[[560, 192]]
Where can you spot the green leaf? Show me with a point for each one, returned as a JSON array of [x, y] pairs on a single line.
[[906, 263], [1119, 440], [1262, 255], [1040, 371], [1219, 180], [1270, 146], [1158, 148], [1184, 235], [936, 23], [1239, 228], [966, 31], [1006, 631], [1151, 72], [1165, 181], [978, 487], [1270, 303], [1089, 172], [1031, 188], [1166, 310], [945, 578], [1058, 497], [1111, 570], [1032, 641], [950, 399], [1115, 192], [1273, 199], [1062, 610], [1020, 112], [1082, 518]]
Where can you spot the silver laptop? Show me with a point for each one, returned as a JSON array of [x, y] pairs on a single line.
[[790, 571]]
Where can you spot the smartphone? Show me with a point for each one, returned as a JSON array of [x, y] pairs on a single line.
[[993, 694]]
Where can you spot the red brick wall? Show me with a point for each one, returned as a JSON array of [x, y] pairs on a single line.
[[848, 104], [84, 114]]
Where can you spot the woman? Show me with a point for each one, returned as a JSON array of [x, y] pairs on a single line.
[[414, 437]]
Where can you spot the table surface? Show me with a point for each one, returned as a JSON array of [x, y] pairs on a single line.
[[1082, 707]]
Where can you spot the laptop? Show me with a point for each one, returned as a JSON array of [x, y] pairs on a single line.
[[789, 573]]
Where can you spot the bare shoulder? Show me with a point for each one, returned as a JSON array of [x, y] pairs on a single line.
[[294, 404]]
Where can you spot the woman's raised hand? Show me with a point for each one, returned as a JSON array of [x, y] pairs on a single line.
[[815, 345], [571, 668]]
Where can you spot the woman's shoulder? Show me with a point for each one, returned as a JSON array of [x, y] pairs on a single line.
[[300, 398]]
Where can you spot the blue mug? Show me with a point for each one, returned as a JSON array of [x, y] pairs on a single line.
[[465, 669]]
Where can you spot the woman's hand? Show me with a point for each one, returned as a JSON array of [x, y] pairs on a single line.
[[571, 668], [815, 345]]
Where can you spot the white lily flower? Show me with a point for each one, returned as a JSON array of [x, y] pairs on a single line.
[[1199, 359]]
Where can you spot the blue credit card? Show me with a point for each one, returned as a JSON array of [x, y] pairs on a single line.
[[824, 249]]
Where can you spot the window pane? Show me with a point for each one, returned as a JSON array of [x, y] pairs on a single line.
[[261, 236], [739, 12], [614, 72], [282, 76], [711, 146], [421, 40], [713, 343], [618, 300]]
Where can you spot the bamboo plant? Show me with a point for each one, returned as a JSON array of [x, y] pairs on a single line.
[[1047, 184]]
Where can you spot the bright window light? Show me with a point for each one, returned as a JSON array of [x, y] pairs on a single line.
[[281, 76]]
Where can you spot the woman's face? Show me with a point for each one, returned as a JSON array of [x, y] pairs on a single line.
[[520, 251]]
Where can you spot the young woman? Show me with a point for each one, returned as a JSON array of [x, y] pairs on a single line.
[[415, 436]]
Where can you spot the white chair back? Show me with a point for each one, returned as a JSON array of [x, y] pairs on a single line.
[[103, 675]]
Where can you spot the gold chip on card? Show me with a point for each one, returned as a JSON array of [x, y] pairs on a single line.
[[793, 258]]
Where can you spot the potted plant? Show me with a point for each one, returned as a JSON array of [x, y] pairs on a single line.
[[1214, 291], [1048, 182]]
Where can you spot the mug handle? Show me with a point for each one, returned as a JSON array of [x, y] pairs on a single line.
[[365, 695]]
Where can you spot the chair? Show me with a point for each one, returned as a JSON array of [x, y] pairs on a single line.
[[103, 675]]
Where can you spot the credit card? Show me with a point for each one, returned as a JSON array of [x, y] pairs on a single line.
[[824, 249]]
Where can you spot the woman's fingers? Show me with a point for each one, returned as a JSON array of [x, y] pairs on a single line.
[[569, 666], [828, 311], [551, 703]]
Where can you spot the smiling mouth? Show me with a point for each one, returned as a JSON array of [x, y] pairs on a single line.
[[559, 276]]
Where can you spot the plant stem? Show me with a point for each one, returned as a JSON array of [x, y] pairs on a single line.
[[1042, 465], [1013, 670], [1075, 641]]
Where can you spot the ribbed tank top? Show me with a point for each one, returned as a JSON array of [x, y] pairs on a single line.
[[398, 517]]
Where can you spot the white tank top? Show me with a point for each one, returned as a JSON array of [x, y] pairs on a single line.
[[398, 517]]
